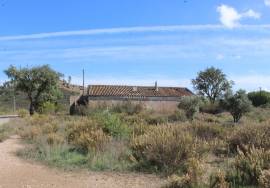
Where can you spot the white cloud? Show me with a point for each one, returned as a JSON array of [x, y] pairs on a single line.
[[120, 30], [226, 21], [231, 18], [267, 2]]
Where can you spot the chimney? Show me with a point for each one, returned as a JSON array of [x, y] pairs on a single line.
[[134, 88], [156, 86]]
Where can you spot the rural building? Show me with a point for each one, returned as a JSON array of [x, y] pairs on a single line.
[[151, 97]]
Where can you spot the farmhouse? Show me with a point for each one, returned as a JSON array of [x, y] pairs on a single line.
[[151, 97]]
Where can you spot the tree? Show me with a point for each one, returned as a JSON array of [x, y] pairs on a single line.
[[237, 104], [212, 83], [259, 98], [39, 83], [191, 105]]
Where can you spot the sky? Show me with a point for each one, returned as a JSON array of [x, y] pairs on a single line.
[[138, 42]]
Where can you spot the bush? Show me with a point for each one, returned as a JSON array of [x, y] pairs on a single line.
[[178, 115], [249, 166], [190, 105], [193, 171], [48, 108], [211, 108], [166, 148], [112, 125], [257, 135], [176, 181], [127, 107], [86, 136], [23, 113], [259, 98], [156, 119], [264, 179], [218, 180], [237, 104]]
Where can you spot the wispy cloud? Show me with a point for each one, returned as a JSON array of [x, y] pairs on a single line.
[[228, 21], [230, 17], [252, 82], [267, 2]]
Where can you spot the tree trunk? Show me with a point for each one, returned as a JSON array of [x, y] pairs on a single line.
[[31, 108]]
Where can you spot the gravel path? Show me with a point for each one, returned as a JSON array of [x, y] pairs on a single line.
[[17, 173]]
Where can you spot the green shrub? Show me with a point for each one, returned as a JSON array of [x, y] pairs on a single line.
[[48, 108], [259, 98], [166, 148], [112, 125], [190, 105]]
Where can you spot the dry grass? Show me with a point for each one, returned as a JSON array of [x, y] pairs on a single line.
[[159, 143]]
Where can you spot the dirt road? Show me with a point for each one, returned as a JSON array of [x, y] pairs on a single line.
[[17, 173]]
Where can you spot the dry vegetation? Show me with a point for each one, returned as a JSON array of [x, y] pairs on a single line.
[[210, 151]]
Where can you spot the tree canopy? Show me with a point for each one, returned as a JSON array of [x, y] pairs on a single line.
[[211, 83], [237, 104], [39, 83]]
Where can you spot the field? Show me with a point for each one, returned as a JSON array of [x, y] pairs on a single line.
[[210, 151]]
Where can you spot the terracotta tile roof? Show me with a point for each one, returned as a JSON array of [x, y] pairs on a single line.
[[137, 91]]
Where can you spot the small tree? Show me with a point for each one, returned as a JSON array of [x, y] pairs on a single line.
[[237, 104], [190, 105], [39, 83], [212, 83], [259, 98]]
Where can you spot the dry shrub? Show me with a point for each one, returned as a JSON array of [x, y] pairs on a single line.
[[208, 131], [192, 175], [23, 113], [55, 139], [218, 180], [176, 181], [166, 147], [264, 179], [86, 135], [257, 135], [249, 166]]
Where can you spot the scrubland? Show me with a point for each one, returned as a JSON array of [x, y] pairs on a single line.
[[208, 151]]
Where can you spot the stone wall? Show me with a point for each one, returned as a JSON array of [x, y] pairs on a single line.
[[157, 106]]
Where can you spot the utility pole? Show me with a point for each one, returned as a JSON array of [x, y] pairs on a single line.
[[83, 81]]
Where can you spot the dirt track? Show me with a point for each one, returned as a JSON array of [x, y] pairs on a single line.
[[17, 173]]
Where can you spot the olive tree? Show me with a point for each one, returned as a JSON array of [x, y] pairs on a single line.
[[190, 104], [237, 104], [39, 83], [211, 83]]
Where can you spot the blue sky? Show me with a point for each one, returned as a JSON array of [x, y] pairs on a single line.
[[139, 41]]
